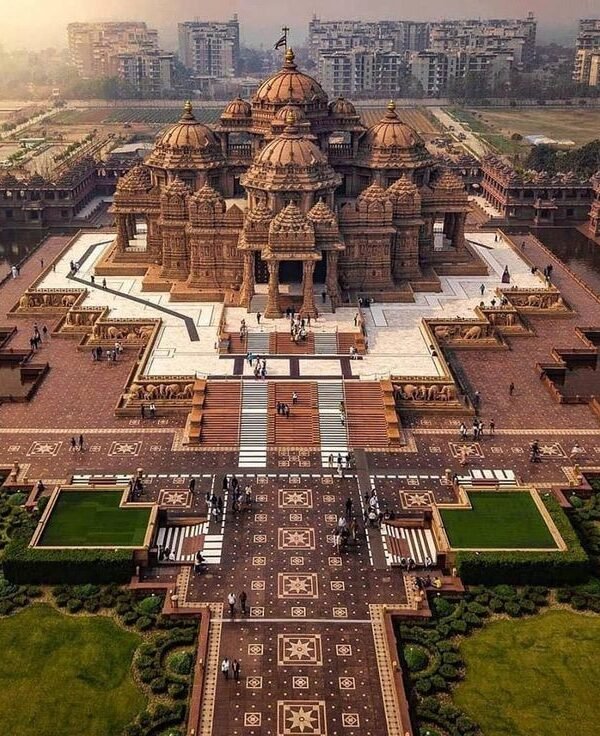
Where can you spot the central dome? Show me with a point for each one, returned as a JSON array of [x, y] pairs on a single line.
[[289, 85], [291, 161]]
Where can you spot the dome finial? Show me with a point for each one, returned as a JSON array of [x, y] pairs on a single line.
[[290, 118], [188, 111], [289, 56], [391, 106]]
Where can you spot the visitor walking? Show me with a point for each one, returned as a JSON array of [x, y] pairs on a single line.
[[511, 388], [80, 443], [492, 427], [231, 602], [236, 667], [482, 289], [225, 668], [243, 601], [258, 318]]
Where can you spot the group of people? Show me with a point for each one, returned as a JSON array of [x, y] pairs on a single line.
[[259, 367], [233, 667], [341, 462], [477, 429], [346, 529], [76, 444], [240, 498], [111, 354], [150, 410], [15, 271], [35, 340], [298, 327]]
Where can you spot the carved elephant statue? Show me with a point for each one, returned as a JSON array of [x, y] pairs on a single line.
[[24, 302], [409, 391], [137, 391], [68, 300], [152, 391], [433, 392], [170, 390], [442, 333], [187, 392], [448, 393], [557, 304], [145, 332], [472, 333], [114, 333]]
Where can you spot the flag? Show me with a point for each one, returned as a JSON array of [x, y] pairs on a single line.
[[282, 41]]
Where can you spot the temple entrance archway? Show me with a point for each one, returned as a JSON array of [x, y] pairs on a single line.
[[320, 276], [290, 272], [261, 271]]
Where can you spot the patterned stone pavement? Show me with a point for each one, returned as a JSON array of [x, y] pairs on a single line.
[[311, 645]]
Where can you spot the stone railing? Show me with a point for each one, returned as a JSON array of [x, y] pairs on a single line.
[[37, 302]]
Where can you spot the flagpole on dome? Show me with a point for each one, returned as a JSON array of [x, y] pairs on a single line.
[[283, 40]]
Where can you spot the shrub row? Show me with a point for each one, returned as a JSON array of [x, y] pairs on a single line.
[[529, 568], [25, 565]]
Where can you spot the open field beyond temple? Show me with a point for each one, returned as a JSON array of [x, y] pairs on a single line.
[[64, 675], [580, 126], [534, 677], [497, 520], [94, 519]]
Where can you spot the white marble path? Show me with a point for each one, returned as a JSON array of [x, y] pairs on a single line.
[[396, 341]]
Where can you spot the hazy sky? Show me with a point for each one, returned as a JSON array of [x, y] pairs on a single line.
[[41, 23]]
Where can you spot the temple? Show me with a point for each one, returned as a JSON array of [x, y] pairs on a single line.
[[290, 189]]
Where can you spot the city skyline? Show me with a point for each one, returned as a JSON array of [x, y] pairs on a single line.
[[259, 24]]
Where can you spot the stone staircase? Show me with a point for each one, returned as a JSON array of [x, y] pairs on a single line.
[[365, 410], [258, 343], [333, 434], [253, 425], [301, 429], [220, 414], [326, 343]]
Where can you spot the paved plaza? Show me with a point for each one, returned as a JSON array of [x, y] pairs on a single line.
[[315, 655]]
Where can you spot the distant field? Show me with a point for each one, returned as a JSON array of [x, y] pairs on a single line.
[[576, 124]]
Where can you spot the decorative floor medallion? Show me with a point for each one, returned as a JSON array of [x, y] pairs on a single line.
[[295, 499], [299, 650], [301, 718], [296, 538], [297, 585]]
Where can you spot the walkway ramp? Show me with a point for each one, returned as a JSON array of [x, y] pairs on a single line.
[[253, 425], [334, 437]]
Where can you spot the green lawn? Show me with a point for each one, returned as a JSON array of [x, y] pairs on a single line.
[[94, 519], [66, 676], [498, 519], [533, 677]]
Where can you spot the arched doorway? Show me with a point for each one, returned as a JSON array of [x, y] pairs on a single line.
[[290, 272], [261, 270]]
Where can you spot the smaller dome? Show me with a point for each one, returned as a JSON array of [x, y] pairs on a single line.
[[392, 132], [291, 220], [207, 194], [260, 213], [237, 108], [187, 133], [342, 108], [373, 193], [290, 85], [322, 213], [290, 114], [137, 179], [176, 188], [448, 180], [402, 187]]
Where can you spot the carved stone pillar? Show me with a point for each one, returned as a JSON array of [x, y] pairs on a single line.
[[247, 290], [308, 291], [122, 234], [332, 279], [273, 311], [458, 235], [130, 224]]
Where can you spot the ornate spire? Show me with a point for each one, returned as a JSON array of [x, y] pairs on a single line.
[[391, 113], [188, 111], [289, 59]]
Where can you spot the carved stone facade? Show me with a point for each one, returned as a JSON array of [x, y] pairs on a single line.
[[365, 215]]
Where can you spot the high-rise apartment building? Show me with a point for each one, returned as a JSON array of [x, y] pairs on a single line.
[[516, 37], [210, 49], [587, 57], [358, 71], [436, 70], [128, 50], [346, 35]]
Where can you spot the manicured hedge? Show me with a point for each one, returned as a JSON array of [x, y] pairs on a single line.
[[529, 568], [24, 565]]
